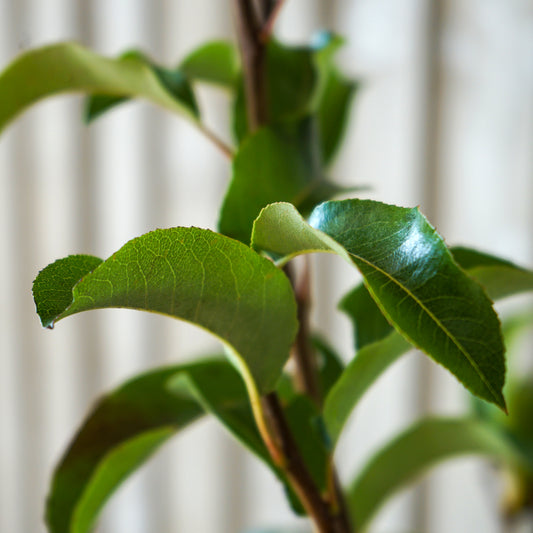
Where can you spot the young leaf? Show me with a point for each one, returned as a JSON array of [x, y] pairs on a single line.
[[360, 374], [174, 81], [277, 163], [410, 274], [123, 430], [417, 449], [215, 62], [498, 277], [192, 274], [69, 67]]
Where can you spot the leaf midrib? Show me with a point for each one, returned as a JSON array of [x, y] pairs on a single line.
[[435, 320]]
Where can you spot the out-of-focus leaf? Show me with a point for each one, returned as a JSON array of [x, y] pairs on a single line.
[[216, 62], [368, 321], [410, 274], [417, 449], [277, 163], [174, 81], [362, 372], [122, 431], [192, 274], [69, 67], [330, 365], [500, 278]]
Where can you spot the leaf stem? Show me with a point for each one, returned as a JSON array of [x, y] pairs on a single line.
[[217, 141], [268, 24]]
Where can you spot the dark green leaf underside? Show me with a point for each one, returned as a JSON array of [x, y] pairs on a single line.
[[410, 274], [198, 276]]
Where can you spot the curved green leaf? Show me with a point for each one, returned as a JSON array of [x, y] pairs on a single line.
[[410, 274], [123, 430], [174, 81], [417, 449], [330, 365], [69, 67], [362, 372], [216, 62], [198, 276], [277, 163]]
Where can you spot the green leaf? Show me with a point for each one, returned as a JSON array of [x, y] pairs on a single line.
[[291, 84], [69, 67], [216, 62], [360, 374], [500, 278], [174, 81], [198, 276], [123, 430], [368, 321], [308, 431], [330, 365], [277, 163], [417, 449], [334, 94], [410, 274]]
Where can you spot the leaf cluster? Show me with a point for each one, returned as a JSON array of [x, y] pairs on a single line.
[[416, 292]]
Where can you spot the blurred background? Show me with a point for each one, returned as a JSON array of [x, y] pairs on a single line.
[[444, 120]]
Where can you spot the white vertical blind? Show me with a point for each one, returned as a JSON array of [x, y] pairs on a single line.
[[70, 189]]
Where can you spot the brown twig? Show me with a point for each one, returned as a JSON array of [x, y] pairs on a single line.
[[294, 467], [253, 62], [306, 370], [269, 21]]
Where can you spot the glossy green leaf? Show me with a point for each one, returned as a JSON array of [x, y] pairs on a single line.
[[498, 277], [361, 373], [69, 67], [417, 449], [122, 431], [278, 163], [216, 62], [198, 276], [174, 81], [410, 274]]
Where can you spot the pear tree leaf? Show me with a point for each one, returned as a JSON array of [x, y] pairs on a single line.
[[334, 94], [359, 375], [69, 67], [124, 428], [174, 81], [330, 365], [499, 278], [417, 449], [411, 275], [276, 163], [215, 62], [193, 274]]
